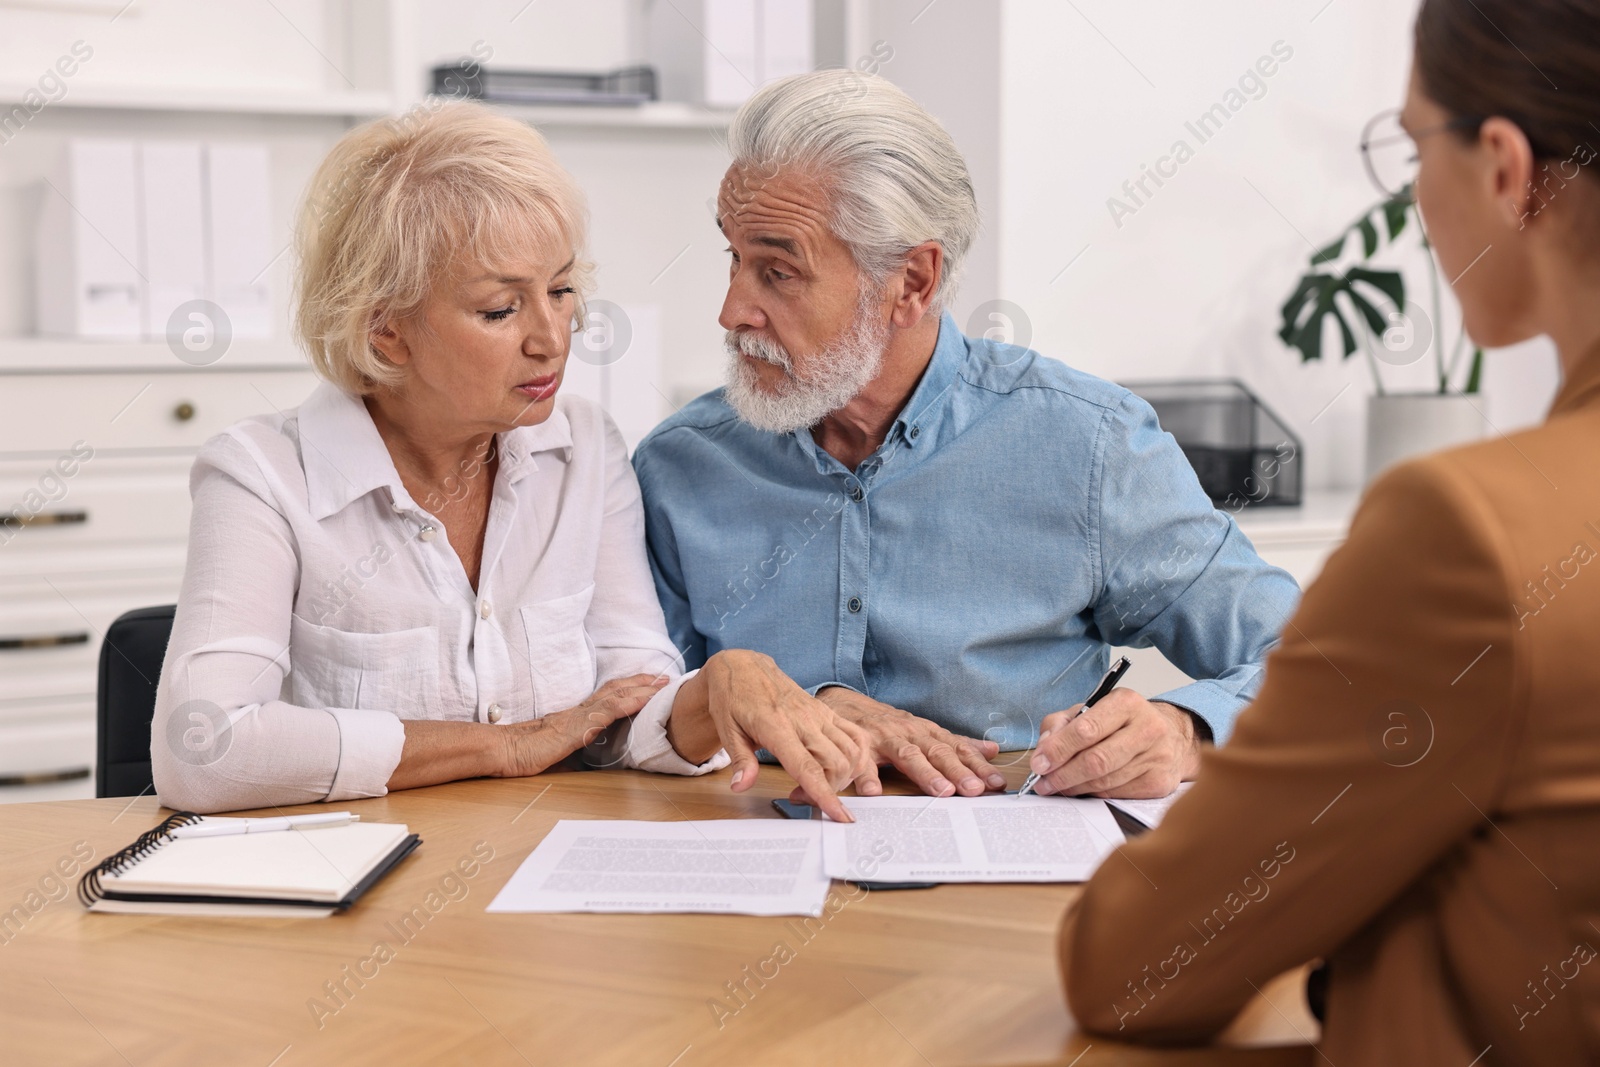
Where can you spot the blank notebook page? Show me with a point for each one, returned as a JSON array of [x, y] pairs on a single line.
[[322, 865]]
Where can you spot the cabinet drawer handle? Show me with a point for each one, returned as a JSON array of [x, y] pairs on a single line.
[[46, 518], [12, 781], [13, 644], [184, 411]]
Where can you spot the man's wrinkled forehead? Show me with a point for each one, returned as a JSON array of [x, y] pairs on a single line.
[[742, 184], [753, 190], [783, 208]]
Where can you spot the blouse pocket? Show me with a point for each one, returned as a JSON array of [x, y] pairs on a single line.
[[396, 672], [560, 656]]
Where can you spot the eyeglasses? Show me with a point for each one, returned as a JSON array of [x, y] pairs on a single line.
[[1390, 153]]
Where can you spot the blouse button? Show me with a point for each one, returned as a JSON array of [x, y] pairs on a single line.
[[494, 713], [426, 533], [485, 609]]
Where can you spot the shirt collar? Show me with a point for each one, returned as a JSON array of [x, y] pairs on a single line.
[[923, 414], [345, 457], [1581, 387]]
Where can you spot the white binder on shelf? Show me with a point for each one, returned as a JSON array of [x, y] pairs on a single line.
[[719, 52], [88, 281], [172, 229], [732, 54], [787, 45], [239, 228]]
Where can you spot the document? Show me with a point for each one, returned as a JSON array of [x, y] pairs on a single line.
[[970, 839], [733, 867], [1151, 812]]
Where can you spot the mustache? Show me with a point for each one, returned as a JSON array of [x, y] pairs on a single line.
[[754, 346]]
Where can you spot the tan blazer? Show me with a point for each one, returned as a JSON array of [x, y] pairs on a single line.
[[1415, 794]]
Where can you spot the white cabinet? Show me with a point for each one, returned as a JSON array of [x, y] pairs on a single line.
[[94, 518]]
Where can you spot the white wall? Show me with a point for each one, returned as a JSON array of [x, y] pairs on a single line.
[[1191, 284], [1054, 105], [653, 233], [948, 57]]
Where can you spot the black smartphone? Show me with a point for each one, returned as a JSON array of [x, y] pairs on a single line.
[[790, 810]]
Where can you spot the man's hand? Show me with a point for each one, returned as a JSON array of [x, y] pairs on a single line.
[[940, 762], [755, 705], [1125, 746]]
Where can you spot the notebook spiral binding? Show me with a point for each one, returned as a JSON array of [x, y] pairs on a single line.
[[89, 890]]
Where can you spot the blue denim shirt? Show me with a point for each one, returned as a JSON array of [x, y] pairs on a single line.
[[1020, 518]]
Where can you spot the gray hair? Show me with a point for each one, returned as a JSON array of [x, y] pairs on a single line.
[[895, 177]]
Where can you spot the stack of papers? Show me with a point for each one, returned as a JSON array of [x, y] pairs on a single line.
[[772, 867], [732, 866], [980, 839]]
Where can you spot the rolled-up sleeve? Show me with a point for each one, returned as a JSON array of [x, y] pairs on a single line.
[[1178, 574], [221, 739]]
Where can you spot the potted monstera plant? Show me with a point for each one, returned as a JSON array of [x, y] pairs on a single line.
[[1369, 308]]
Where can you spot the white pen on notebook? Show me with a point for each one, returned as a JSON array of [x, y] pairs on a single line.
[[227, 827], [1107, 683]]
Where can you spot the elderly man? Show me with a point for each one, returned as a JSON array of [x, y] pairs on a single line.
[[940, 536]]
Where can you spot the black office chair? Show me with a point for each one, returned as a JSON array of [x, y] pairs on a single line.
[[130, 667]]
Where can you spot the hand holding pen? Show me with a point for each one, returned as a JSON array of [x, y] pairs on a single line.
[[1108, 682], [1118, 744]]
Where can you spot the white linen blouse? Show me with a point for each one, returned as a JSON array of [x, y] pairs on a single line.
[[322, 605]]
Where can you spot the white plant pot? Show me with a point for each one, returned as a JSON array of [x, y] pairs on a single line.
[[1403, 425]]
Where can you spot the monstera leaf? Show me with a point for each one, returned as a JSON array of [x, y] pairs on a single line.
[[1321, 296], [1361, 298], [1342, 295]]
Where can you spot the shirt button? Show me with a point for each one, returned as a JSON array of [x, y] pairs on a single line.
[[426, 533], [857, 495], [915, 430], [485, 609], [854, 605], [493, 713]]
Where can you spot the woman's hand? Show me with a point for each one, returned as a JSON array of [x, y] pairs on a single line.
[[532, 746], [755, 705]]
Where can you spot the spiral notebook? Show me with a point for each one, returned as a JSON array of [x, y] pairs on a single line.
[[286, 874]]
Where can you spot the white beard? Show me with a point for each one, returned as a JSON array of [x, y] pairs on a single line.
[[835, 377]]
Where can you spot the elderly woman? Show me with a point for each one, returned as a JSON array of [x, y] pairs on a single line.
[[434, 568]]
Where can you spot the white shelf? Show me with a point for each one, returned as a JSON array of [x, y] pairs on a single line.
[[1323, 516], [48, 355], [657, 115], [358, 104], [341, 104]]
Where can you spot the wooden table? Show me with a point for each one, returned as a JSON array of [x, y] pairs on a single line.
[[958, 975]]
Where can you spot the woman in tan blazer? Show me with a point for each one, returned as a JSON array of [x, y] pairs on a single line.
[[1415, 794]]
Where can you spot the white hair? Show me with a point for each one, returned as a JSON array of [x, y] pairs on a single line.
[[895, 177]]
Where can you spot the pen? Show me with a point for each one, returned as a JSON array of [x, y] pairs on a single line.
[[229, 827], [1107, 684]]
